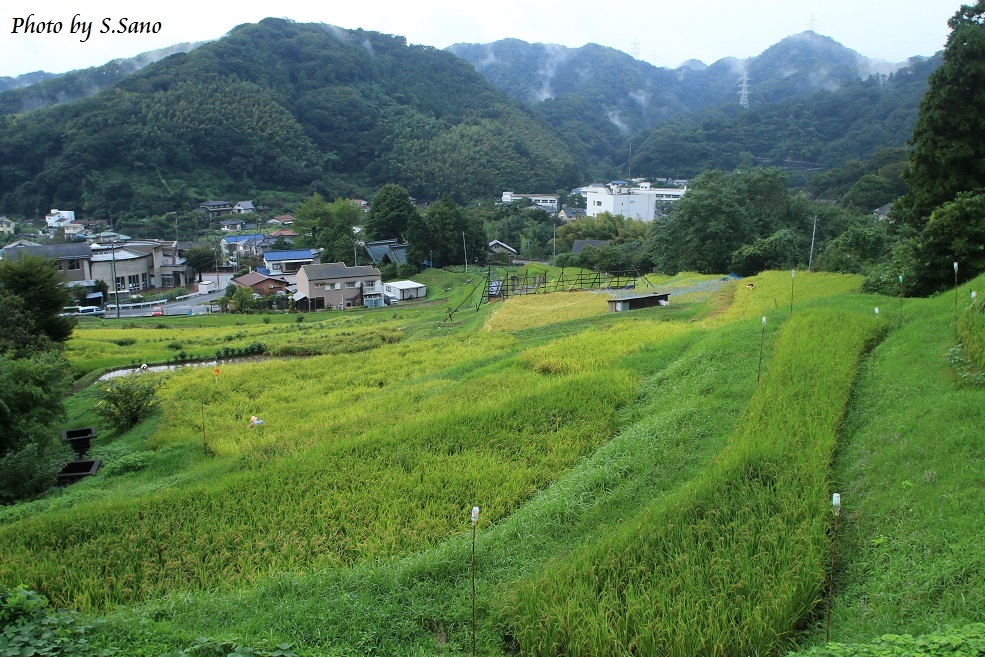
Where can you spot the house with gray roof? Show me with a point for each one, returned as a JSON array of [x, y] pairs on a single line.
[[385, 252], [579, 245], [74, 259], [336, 285]]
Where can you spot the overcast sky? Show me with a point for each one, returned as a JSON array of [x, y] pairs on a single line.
[[662, 33]]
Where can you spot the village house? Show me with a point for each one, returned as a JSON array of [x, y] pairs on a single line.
[[233, 247], [279, 263], [74, 260], [570, 214], [502, 248], [215, 208], [7, 227], [262, 284], [385, 252], [335, 285], [244, 207], [281, 220], [58, 218]]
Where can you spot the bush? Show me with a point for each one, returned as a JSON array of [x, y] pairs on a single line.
[[127, 400], [31, 469], [28, 627]]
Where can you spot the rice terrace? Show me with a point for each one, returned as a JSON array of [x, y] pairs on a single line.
[[652, 482]]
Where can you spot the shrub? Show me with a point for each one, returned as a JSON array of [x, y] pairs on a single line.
[[28, 627], [128, 400]]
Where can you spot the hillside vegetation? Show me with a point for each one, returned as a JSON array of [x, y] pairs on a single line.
[[640, 489], [280, 106]]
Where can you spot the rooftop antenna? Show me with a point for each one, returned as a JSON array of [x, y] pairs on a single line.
[[744, 90]]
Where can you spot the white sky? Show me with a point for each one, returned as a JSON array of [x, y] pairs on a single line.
[[667, 33]]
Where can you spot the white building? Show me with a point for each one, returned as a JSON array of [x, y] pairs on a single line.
[[546, 201], [403, 290], [58, 218], [630, 202]]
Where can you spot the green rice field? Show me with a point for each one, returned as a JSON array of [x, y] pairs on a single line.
[[654, 482]]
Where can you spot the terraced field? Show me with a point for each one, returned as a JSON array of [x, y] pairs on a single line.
[[643, 489]]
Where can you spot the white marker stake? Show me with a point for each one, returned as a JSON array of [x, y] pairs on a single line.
[[836, 504], [475, 520]]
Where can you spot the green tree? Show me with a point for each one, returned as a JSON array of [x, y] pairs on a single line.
[[389, 213], [438, 235], [704, 229], [38, 284], [328, 226], [31, 393], [200, 258], [954, 233], [948, 153]]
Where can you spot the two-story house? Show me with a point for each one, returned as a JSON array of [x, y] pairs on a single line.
[[74, 260], [280, 263], [262, 284], [335, 285], [7, 227]]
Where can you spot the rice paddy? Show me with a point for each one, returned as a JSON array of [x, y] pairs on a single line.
[[641, 492]]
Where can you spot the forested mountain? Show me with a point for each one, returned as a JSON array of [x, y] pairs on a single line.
[[285, 106], [819, 131], [597, 97], [41, 89], [24, 80]]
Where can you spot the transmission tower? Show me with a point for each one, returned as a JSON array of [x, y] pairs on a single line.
[[634, 49], [744, 90]]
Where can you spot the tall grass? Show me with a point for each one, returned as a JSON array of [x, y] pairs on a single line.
[[364, 485], [694, 387], [732, 562]]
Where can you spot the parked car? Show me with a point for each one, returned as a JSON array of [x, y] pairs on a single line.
[[82, 311], [156, 311]]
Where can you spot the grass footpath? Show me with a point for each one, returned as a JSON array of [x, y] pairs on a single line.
[[912, 471]]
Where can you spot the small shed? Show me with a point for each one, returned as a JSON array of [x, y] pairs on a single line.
[[402, 290], [635, 303]]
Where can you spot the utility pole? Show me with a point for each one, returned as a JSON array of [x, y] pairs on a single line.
[[466, 251], [116, 286], [810, 258]]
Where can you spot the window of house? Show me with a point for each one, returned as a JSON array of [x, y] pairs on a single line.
[[74, 264], [350, 284]]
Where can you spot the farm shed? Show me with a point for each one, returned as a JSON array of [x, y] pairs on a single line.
[[635, 303], [405, 290]]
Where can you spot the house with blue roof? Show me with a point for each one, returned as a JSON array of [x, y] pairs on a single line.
[[280, 263]]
